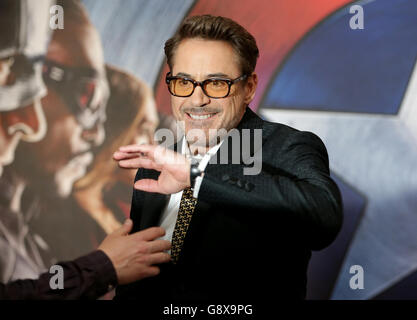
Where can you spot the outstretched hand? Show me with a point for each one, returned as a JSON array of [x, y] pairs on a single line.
[[135, 256], [174, 167]]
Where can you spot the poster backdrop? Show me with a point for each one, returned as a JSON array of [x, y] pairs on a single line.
[[345, 70]]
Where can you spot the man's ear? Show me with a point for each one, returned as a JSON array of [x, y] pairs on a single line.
[[250, 87]]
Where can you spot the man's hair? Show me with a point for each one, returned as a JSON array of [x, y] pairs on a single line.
[[210, 27]]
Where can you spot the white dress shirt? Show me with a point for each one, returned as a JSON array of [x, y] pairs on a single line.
[[170, 213]]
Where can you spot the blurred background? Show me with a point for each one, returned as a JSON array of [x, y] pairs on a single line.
[[99, 82]]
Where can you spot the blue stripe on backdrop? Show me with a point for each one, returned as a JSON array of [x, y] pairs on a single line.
[[376, 155], [133, 32], [373, 146], [340, 69], [406, 289]]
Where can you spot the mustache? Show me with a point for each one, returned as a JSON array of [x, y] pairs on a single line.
[[201, 110]]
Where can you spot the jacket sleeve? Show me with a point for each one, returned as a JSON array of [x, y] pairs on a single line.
[[88, 277], [294, 189]]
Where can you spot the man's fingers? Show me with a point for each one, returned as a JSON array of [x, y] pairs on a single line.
[[124, 229], [131, 148], [149, 234], [153, 152], [148, 185], [135, 163], [159, 245], [118, 155], [158, 154], [151, 271], [143, 148], [157, 258]]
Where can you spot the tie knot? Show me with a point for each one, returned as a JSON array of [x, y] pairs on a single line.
[[188, 192]]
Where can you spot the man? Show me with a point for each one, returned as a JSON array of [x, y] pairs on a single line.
[[75, 106], [120, 258], [234, 235], [106, 191], [22, 45], [75, 110]]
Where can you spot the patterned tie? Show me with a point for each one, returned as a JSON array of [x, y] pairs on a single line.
[[185, 213]]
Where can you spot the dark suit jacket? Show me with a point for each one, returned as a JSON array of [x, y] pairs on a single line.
[[88, 277], [250, 236]]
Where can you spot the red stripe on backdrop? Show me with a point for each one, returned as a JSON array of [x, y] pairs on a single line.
[[276, 25]]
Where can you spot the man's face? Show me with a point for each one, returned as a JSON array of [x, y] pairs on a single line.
[[65, 152], [26, 122], [201, 59]]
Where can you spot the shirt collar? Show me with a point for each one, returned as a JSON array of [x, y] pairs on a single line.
[[202, 159]]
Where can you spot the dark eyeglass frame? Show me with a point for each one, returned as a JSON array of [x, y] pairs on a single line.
[[64, 74], [21, 65], [230, 82], [61, 78]]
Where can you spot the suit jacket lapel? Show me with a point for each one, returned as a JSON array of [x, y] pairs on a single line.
[[250, 121], [153, 205]]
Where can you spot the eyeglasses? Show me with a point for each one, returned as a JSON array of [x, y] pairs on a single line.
[[214, 87], [84, 90], [22, 66]]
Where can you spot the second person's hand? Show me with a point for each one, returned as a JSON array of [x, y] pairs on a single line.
[[136, 256]]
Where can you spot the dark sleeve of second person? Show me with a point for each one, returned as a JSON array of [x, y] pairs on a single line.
[[88, 277]]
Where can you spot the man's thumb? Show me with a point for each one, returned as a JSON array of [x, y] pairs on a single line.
[[125, 228]]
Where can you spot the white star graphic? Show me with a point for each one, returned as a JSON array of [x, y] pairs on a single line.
[[378, 155]]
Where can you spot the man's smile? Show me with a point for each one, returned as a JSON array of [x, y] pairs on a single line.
[[201, 116]]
